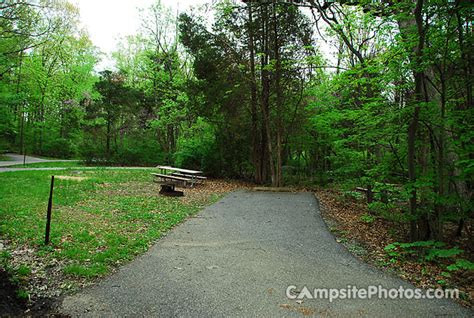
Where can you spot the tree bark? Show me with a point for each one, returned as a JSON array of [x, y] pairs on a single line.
[[277, 182], [406, 27], [266, 91], [253, 101]]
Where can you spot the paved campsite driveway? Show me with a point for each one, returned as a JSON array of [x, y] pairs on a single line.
[[236, 258]]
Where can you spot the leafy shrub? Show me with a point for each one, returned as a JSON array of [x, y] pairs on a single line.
[[425, 251], [127, 156], [138, 152], [461, 264], [60, 148], [22, 294], [388, 211], [433, 254], [197, 149], [91, 152], [7, 131], [367, 218], [23, 270]]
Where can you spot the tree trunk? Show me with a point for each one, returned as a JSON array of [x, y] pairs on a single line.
[[266, 91], [277, 182], [42, 110], [436, 224], [406, 29], [253, 101], [107, 140]]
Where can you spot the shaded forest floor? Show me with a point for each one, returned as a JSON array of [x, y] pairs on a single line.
[[366, 238]]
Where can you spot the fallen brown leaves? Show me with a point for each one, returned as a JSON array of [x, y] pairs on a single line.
[[343, 217], [212, 187], [346, 217], [305, 311], [46, 280]]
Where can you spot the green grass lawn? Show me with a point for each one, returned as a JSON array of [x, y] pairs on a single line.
[[4, 158], [106, 218], [59, 164]]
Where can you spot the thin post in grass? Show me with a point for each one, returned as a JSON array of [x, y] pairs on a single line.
[[48, 215]]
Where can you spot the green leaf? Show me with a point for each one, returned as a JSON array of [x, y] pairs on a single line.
[[461, 264]]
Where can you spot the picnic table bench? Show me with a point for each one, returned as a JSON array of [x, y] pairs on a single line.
[[174, 180], [197, 178]]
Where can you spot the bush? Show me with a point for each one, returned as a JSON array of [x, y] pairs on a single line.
[[429, 251], [60, 148], [141, 152], [91, 152], [367, 218], [132, 151], [197, 149], [388, 211], [461, 264]]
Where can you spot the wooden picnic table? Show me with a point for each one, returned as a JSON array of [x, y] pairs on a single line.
[[193, 175]]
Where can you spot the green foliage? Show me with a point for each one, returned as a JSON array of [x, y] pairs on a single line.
[[388, 211], [7, 131], [22, 294], [367, 218], [23, 271], [235, 97], [60, 148], [461, 264], [433, 254], [91, 152], [138, 152], [424, 251], [197, 148], [446, 274], [46, 69], [87, 271]]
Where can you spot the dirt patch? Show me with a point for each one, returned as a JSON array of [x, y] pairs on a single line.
[[218, 187], [199, 191], [72, 178]]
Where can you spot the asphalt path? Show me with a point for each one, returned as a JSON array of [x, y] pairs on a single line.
[[8, 169], [16, 159], [238, 257]]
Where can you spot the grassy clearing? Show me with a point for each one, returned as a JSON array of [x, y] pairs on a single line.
[[99, 222], [4, 158], [59, 164]]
